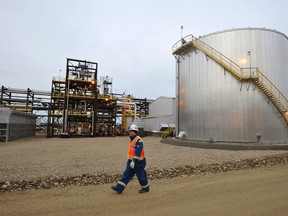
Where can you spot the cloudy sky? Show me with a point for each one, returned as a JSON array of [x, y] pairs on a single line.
[[131, 40]]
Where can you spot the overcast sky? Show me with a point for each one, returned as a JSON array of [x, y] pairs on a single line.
[[131, 40]]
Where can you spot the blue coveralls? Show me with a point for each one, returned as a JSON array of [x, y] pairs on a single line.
[[139, 170]]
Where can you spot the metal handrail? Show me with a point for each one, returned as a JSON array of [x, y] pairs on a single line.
[[273, 90], [253, 73], [210, 51], [167, 132]]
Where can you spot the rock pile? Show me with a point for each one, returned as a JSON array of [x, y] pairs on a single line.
[[87, 179], [220, 167], [48, 182]]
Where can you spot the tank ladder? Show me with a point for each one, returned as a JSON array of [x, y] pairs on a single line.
[[259, 79]]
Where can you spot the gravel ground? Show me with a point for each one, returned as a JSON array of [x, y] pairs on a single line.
[[40, 157]]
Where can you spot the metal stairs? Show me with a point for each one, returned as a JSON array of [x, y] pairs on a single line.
[[280, 107], [167, 132], [260, 80]]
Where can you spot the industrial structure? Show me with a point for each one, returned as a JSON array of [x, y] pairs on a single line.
[[27, 100], [79, 104], [83, 106], [161, 118], [231, 86], [16, 124], [77, 108]]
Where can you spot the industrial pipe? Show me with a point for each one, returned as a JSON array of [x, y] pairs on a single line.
[[131, 104]]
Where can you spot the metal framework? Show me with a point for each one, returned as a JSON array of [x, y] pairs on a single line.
[[77, 108], [77, 105], [27, 100]]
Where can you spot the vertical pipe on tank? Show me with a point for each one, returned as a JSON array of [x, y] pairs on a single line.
[[177, 94]]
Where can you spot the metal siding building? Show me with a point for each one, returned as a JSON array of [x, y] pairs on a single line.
[[16, 124], [213, 105], [161, 114]]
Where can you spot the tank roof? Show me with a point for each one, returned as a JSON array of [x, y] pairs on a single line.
[[249, 28]]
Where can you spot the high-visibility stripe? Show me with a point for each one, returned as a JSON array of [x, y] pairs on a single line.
[[135, 157], [145, 186], [122, 183], [132, 149]]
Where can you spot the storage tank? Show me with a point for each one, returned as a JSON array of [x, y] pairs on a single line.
[[231, 86]]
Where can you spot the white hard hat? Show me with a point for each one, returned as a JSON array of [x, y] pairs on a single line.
[[133, 128]]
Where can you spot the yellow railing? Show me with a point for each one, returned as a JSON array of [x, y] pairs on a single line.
[[58, 79], [167, 132], [58, 95], [273, 90], [20, 108], [228, 64], [240, 73], [92, 96]]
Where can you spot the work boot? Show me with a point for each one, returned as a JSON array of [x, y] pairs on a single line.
[[114, 189], [143, 190]]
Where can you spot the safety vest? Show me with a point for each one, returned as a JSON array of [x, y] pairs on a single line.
[[131, 149]]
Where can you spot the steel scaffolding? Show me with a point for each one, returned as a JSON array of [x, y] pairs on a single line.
[[78, 104], [77, 108], [27, 100]]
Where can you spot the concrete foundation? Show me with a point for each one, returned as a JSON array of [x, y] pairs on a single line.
[[16, 125]]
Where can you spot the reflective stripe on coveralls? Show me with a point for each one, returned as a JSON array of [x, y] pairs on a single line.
[[121, 183], [128, 174], [145, 186]]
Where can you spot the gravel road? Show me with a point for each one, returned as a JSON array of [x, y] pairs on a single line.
[[38, 157], [257, 192]]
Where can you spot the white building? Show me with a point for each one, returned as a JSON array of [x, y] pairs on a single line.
[[162, 114]]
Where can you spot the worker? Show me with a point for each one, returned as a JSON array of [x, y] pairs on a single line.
[[135, 165]]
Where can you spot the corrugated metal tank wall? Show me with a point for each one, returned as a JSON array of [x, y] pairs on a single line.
[[213, 105]]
